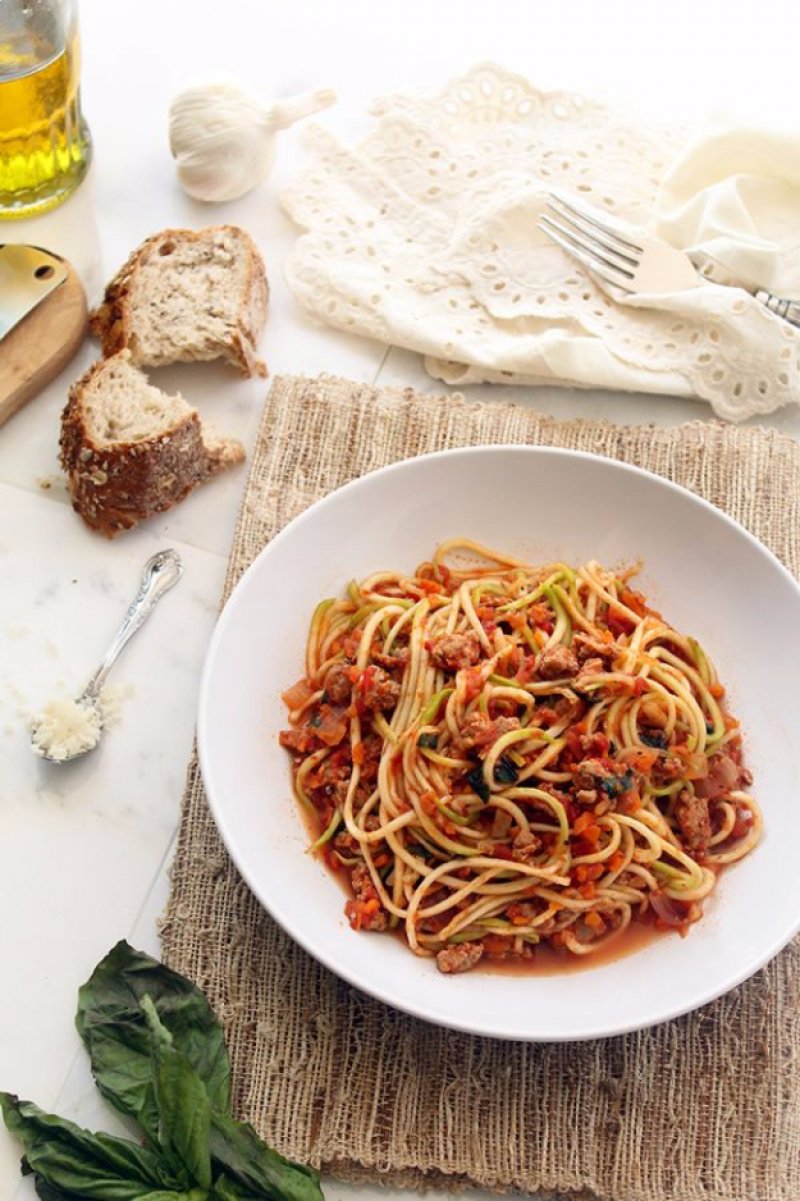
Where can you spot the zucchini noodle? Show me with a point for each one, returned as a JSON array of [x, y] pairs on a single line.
[[500, 756]]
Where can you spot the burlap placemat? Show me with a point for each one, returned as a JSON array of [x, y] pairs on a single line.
[[705, 1107]]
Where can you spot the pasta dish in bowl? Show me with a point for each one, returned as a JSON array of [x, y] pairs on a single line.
[[548, 748], [499, 756]]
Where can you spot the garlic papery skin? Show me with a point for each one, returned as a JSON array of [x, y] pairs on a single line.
[[224, 141]]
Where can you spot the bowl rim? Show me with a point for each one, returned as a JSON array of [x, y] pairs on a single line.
[[372, 988]]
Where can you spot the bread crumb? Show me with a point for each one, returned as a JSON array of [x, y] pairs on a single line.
[[46, 482]]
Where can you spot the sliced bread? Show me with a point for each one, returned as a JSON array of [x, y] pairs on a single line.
[[130, 450], [187, 295]]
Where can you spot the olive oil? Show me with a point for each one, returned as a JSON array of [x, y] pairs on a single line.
[[44, 142]]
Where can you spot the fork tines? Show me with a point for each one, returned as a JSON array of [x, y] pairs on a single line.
[[596, 245]]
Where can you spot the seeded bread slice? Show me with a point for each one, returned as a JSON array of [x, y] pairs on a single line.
[[187, 295], [130, 450]]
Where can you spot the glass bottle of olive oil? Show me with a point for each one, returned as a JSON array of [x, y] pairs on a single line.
[[44, 140]]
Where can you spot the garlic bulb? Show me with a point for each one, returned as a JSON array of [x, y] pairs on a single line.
[[224, 141]]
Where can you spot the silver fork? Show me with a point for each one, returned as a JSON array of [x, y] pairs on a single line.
[[646, 264]]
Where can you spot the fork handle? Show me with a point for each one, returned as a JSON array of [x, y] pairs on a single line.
[[788, 309]]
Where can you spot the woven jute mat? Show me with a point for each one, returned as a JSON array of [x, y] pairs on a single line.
[[705, 1108]]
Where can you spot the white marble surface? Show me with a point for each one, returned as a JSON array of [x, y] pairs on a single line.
[[84, 850]]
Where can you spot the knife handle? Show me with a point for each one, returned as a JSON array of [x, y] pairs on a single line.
[[788, 309]]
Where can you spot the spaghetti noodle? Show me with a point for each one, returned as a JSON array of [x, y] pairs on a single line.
[[500, 755]]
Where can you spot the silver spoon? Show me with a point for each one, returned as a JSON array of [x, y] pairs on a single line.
[[161, 572]]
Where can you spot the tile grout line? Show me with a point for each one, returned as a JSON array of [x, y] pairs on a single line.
[[381, 365], [143, 527], [163, 861]]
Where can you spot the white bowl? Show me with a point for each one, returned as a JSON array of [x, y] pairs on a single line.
[[709, 577]]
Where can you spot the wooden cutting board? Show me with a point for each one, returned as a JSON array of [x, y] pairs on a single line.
[[44, 341]]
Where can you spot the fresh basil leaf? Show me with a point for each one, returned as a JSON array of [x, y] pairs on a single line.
[[614, 786], [228, 1189], [184, 1110], [654, 738], [237, 1149], [150, 1059], [114, 1030], [506, 771], [46, 1192], [78, 1163], [478, 784], [429, 740]]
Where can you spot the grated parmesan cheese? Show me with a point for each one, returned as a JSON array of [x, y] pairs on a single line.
[[65, 728], [111, 699]]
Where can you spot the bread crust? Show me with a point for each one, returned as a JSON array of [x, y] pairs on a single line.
[[111, 321], [113, 487]]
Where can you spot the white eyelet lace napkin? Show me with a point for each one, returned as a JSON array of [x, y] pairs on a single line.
[[424, 236]]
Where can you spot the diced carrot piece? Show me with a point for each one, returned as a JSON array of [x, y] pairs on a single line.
[[629, 802], [473, 683], [516, 916], [595, 922], [619, 623], [634, 601], [428, 802], [496, 944]]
